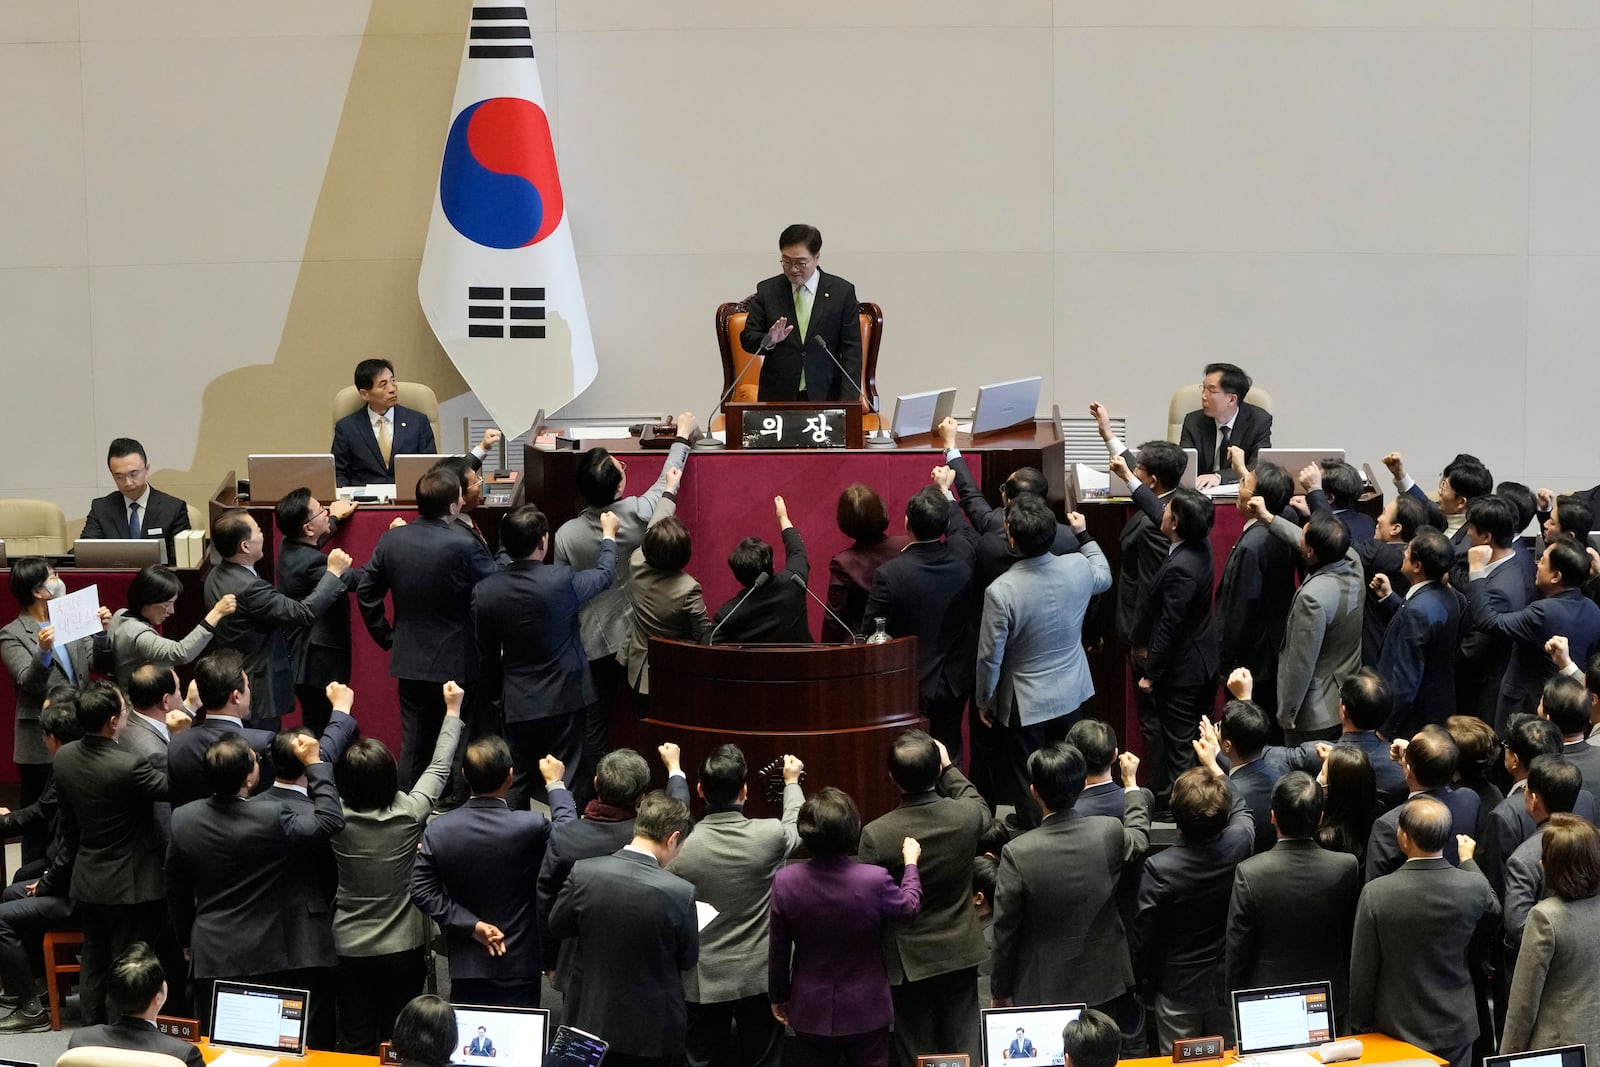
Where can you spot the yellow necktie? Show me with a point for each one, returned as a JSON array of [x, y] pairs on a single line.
[[384, 444], [802, 319]]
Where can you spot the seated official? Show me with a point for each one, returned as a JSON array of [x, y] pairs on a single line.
[[136, 630], [136, 989], [862, 518], [1224, 420], [805, 326], [366, 441], [425, 1032], [137, 509], [771, 606]]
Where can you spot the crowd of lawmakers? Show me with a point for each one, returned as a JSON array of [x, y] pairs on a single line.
[[1396, 795]]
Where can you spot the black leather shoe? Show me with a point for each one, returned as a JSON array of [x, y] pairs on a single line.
[[25, 1021]]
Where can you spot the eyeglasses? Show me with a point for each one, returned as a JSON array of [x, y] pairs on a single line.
[[317, 516], [796, 264]]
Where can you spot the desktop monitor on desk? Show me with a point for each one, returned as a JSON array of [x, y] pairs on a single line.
[[1561, 1056], [1281, 1018], [119, 552], [273, 477], [259, 1018], [1026, 1037], [500, 1037]]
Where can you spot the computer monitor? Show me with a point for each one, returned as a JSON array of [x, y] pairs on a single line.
[[259, 1018], [1294, 460], [273, 477], [1191, 471], [1279, 1018], [503, 1037], [920, 413], [1562, 1056], [575, 1048], [118, 552], [1006, 404], [1023, 1037], [409, 468]]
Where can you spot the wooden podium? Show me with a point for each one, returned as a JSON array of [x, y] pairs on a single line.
[[837, 707]]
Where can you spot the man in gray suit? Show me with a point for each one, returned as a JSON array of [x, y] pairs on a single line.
[[1419, 933], [1322, 640], [932, 959], [156, 713], [730, 860], [257, 629], [1032, 673], [1058, 936]]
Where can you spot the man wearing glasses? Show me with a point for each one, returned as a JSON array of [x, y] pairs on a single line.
[[805, 325], [319, 652], [136, 509], [1224, 420]]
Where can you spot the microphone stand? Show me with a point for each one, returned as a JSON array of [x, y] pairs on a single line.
[[879, 438], [761, 580], [801, 582], [707, 443]]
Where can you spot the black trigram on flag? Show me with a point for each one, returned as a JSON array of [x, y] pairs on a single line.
[[504, 24], [496, 312]]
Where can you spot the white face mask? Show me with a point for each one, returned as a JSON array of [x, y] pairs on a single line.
[[56, 588]]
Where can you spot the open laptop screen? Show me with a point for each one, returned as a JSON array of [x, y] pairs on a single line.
[[259, 1018], [505, 1037], [1283, 1017], [1024, 1037], [1564, 1056]]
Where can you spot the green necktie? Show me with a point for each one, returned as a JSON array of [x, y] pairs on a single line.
[[802, 319]]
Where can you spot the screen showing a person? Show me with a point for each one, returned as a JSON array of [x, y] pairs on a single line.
[[1022, 1037], [259, 1017], [1565, 1056], [501, 1036], [1289, 1017], [574, 1048]]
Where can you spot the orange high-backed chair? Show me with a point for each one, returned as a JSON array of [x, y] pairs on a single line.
[[730, 324]]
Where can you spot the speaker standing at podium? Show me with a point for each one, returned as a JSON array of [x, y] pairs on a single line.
[[798, 318]]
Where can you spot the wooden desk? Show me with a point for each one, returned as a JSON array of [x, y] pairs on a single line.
[[313, 1058], [1376, 1048]]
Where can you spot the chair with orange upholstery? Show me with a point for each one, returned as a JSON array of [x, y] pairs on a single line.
[[730, 323]]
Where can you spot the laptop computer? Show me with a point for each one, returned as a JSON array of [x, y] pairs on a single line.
[[409, 467], [119, 552], [920, 413], [510, 1037], [1294, 460], [1006, 404], [1023, 1037], [1290, 1018], [1561, 1056], [575, 1048], [269, 1021], [273, 477], [1191, 471]]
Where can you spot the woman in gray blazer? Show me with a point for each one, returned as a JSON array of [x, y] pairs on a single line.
[[666, 601], [136, 630], [1555, 999], [380, 936]]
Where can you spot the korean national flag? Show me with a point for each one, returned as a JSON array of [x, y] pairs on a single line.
[[499, 280]]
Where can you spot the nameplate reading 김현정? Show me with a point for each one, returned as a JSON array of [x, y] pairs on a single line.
[[794, 428]]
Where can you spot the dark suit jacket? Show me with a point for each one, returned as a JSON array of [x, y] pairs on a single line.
[[1418, 934], [1485, 655], [1379, 557], [1175, 623], [1252, 431], [242, 882], [1383, 850], [452, 882], [1508, 826], [1144, 549], [927, 593], [258, 629], [356, 459], [165, 517], [777, 611], [1290, 918], [1255, 782], [1252, 607], [1390, 776], [629, 917], [850, 575], [1584, 756], [1419, 657], [1058, 935], [429, 568], [340, 733], [108, 821], [319, 653], [528, 645], [1567, 613], [131, 1032], [1178, 933], [834, 321], [993, 555], [186, 758]]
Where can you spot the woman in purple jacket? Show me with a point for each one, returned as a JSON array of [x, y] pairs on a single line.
[[829, 911]]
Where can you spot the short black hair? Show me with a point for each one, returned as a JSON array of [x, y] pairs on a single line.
[[425, 1032], [723, 774], [1097, 742], [861, 515], [1342, 484], [228, 762], [1093, 1039], [1495, 517], [230, 532], [598, 477], [1368, 700], [1246, 727], [460, 467], [98, 703], [1432, 551], [1274, 486], [1200, 803], [1193, 514], [801, 233], [1556, 781], [661, 815], [122, 447], [621, 777], [830, 823], [292, 511], [218, 676], [149, 685], [154, 584], [1433, 757], [1057, 772], [286, 765], [1427, 822], [486, 764], [1234, 380], [1163, 461], [1327, 538], [134, 980], [436, 491], [1528, 737], [367, 775], [1569, 561], [1469, 480], [985, 872], [1031, 524], [28, 574], [667, 545], [60, 720], [1573, 516], [1520, 497], [749, 560], [522, 530], [367, 371], [1412, 515], [914, 762], [927, 512], [1566, 703], [1297, 804], [1024, 480]]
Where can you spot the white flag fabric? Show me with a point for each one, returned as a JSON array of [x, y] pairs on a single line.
[[499, 280]]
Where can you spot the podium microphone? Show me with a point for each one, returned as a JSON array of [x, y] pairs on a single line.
[[761, 580], [707, 443], [879, 438], [801, 582]]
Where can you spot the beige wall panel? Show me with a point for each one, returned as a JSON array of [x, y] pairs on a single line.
[[1563, 338], [1565, 211], [1368, 353], [1291, 140], [882, 143], [41, 167], [1567, 13], [1439, 13], [31, 21], [770, 14]]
